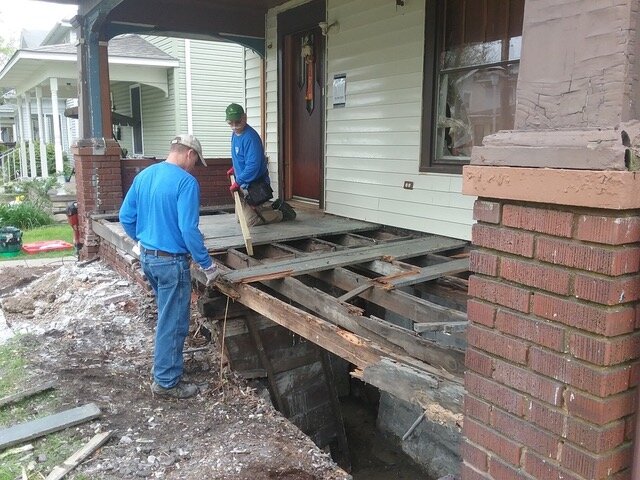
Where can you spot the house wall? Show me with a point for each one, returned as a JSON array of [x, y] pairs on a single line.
[[217, 79], [47, 112], [373, 143]]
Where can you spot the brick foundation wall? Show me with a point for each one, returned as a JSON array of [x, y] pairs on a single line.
[[552, 344], [125, 265]]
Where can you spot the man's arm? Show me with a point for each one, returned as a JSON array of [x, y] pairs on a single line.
[[129, 213]]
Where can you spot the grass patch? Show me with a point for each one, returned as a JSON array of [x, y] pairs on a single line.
[[53, 448], [58, 231]]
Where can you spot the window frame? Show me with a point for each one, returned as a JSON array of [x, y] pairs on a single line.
[[139, 126], [434, 34]]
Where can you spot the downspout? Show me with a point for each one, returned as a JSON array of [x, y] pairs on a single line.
[[187, 74]]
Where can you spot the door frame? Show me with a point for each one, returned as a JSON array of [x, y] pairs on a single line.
[[303, 17]]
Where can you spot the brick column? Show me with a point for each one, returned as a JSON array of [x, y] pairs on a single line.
[[99, 186], [553, 346]]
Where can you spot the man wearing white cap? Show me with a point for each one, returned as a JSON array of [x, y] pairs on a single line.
[[161, 212]]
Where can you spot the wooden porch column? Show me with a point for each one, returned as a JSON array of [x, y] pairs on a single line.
[[32, 140], [23, 147], [553, 337], [43, 146], [57, 136], [96, 154]]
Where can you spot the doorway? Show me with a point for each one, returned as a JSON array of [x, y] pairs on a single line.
[[301, 73]]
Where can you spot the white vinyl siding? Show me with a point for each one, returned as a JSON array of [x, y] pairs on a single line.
[[252, 103], [372, 144], [217, 79]]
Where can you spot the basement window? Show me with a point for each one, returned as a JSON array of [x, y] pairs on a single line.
[[472, 57]]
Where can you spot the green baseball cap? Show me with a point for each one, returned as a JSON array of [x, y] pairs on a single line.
[[234, 112]]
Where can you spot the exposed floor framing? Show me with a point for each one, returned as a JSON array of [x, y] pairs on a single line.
[[391, 303]]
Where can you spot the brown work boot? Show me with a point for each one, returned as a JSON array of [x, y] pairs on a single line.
[[180, 390]]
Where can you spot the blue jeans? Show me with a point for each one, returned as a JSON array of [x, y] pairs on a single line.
[[170, 279]]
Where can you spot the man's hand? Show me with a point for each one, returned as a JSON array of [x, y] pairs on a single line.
[[234, 187], [230, 172], [136, 249], [212, 273]]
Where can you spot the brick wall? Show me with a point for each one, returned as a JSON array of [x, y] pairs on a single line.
[[552, 343], [214, 184]]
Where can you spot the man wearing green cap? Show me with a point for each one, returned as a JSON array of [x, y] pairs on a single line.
[[251, 173]]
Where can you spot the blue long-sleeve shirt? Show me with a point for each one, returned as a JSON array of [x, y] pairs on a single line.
[[247, 154], [162, 210]]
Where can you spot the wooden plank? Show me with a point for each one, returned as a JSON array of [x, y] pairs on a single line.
[[355, 292], [404, 304], [415, 345], [51, 423], [246, 234], [405, 382], [351, 319], [429, 273], [74, 460], [325, 261], [16, 397], [446, 327]]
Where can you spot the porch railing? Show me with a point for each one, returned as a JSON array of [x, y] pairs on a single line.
[[10, 165]]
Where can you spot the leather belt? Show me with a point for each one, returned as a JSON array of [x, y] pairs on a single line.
[[161, 253]]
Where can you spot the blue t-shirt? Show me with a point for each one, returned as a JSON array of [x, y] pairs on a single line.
[[162, 211], [249, 163]]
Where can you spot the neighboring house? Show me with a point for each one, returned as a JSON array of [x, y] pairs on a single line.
[[166, 85]]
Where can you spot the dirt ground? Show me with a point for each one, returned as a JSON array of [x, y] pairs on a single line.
[[92, 330]]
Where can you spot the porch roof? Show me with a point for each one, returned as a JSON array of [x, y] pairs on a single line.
[[241, 21], [131, 58]]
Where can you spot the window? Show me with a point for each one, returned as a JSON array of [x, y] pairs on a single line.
[[136, 114], [472, 55]]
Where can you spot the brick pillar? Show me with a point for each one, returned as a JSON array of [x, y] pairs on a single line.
[[99, 186], [553, 343]]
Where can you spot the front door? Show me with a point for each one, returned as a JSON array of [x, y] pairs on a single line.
[[302, 101]]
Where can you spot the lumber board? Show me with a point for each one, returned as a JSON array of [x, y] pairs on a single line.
[[446, 327], [329, 260], [429, 273], [51, 423], [244, 226], [404, 304], [74, 460], [405, 382], [350, 318], [29, 392]]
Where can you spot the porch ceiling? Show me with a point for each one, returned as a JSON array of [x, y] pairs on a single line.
[[29, 69], [206, 19]]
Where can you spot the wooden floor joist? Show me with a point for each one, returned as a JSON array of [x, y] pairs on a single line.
[[397, 340], [329, 260]]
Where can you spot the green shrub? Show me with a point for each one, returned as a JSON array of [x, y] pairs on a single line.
[[23, 215], [51, 158]]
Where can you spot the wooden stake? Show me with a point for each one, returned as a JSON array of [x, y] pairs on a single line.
[[246, 234], [74, 460]]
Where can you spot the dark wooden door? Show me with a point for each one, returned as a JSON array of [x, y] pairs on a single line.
[[303, 59]]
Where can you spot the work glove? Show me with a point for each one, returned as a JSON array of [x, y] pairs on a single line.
[[230, 172], [136, 249], [234, 187], [212, 273]]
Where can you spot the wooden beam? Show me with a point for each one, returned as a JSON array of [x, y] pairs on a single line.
[[330, 260], [74, 460], [404, 304], [446, 327], [51, 423], [428, 273], [16, 397], [411, 385], [244, 226], [400, 344]]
